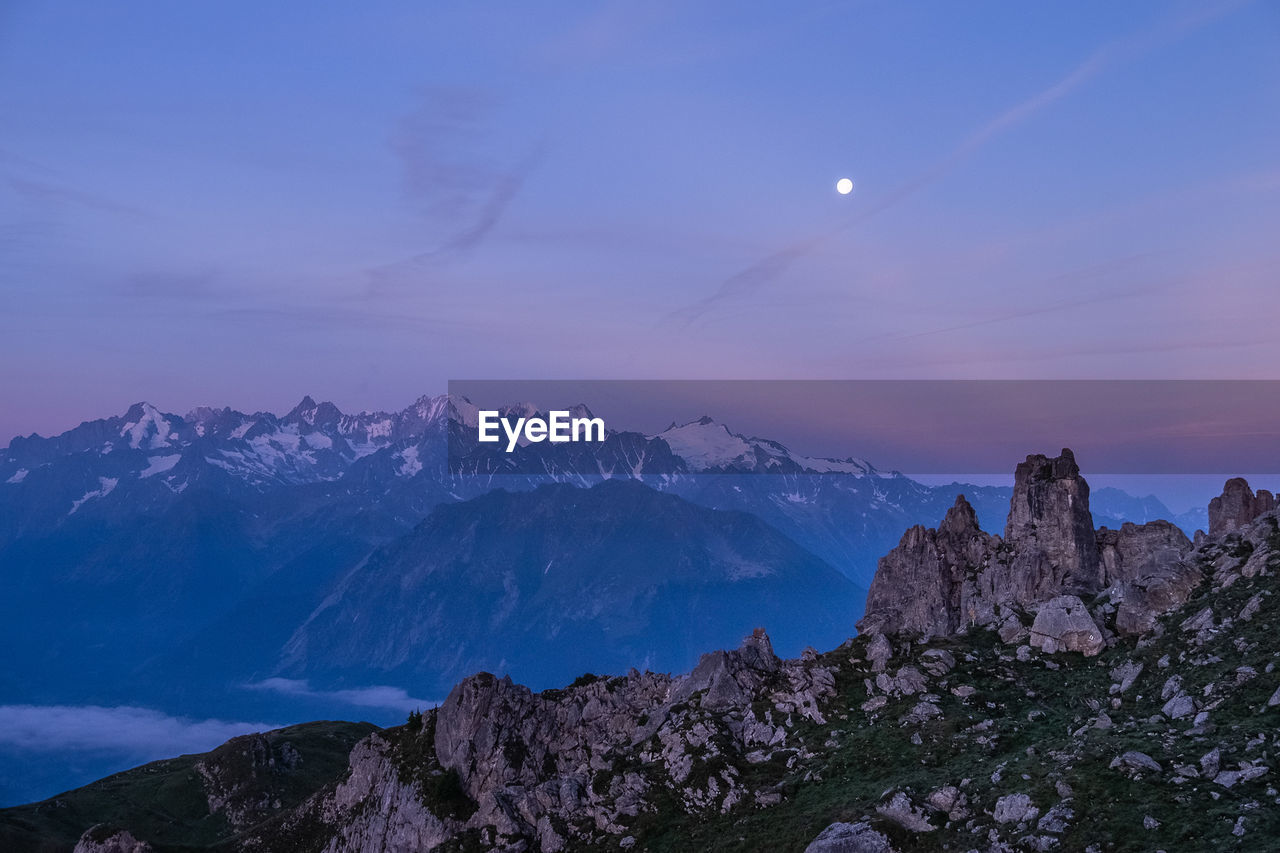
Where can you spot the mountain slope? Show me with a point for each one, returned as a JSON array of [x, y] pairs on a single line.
[[551, 583], [193, 801], [1163, 739]]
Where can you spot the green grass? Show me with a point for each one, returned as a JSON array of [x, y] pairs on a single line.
[[164, 802]]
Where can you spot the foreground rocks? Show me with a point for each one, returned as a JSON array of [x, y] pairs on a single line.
[[101, 839]]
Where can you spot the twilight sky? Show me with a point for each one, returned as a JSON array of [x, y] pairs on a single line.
[[239, 203]]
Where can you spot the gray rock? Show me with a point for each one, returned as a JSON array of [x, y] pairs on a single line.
[[917, 588], [1063, 624], [1137, 551], [1057, 819], [849, 838], [944, 799], [1275, 699], [1149, 822], [879, 650], [906, 814], [1210, 762], [1135, 760], [99, 839], [1237, 506], [1050, 530], [1179, 706], [875, 703], [1124, 675], [1202, 621], [1014, 808], [937, 662]]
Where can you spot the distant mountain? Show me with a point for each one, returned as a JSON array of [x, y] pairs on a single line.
[[558, 581], [165, 560]]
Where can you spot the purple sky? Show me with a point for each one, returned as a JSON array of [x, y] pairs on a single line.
[[233, 204]]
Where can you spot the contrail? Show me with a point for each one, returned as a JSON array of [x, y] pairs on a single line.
[[767, 269]]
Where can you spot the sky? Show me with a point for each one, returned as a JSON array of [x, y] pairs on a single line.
[[238, 204]]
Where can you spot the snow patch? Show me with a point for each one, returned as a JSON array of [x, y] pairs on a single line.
[[153, 424], [704, 444], [410, 464], [159, 464], [19, 476], [319, 441], [106, 485]]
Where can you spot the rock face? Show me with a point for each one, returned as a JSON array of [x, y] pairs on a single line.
[[1050, 531], [1139, 550], [946, 581], [102, 840], [558, 767], [1237, 506], [1063, 624], [849, 838], [934, 565]]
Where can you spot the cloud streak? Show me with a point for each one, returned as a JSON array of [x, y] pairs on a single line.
[[769, 268], [377, 696], [449, 179], [143, 733]]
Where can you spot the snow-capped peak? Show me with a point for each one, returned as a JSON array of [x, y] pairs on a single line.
[[146, 424], [706, 444]]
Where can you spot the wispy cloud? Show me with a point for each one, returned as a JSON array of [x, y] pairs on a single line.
[[377, 696], [59, 194], [772, 266], [459, 189], [141, 732]]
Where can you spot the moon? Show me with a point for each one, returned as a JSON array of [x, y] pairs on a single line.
[[844, 186]]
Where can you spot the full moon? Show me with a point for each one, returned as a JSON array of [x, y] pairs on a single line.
[[844, 186]]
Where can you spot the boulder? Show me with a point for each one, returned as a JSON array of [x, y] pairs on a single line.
[[1014, 808], [1064, 624], [1140, 550], [849, 838], [101, 839]]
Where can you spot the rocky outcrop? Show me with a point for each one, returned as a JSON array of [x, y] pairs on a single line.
[[1050, 531], [1138, 550], [945, 581], [401, 821], [100, 839], [937, 567], [850, 838], [1237, 506], [562, 766], [1063, 624], [234, 776]]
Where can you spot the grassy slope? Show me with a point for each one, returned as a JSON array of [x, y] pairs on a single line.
[[1034, 712], [165, 802]]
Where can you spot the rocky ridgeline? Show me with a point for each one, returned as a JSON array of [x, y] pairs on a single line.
[[1028, 584], [1054, 688]]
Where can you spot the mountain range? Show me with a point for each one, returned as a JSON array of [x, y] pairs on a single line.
[[250, 566], [1054, 686]]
